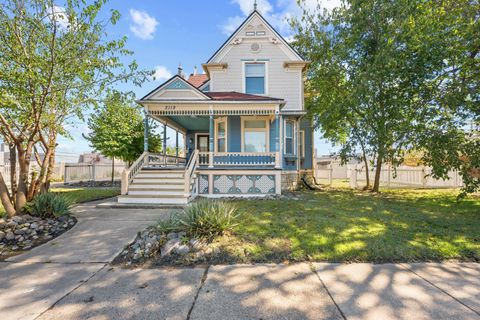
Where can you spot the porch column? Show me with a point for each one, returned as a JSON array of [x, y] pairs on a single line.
[[211, 133], [278, 153], [165, 143], [176, 143], [145, 133]]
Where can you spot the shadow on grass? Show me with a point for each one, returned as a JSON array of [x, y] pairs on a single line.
[[347, 226]]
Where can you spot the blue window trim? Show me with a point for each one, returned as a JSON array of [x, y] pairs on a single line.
[[262, 90]]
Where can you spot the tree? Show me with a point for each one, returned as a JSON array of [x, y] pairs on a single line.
[[55, 62], [117, 129], [373, 83]]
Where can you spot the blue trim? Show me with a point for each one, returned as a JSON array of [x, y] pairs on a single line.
[[211, 132], [177, 84]]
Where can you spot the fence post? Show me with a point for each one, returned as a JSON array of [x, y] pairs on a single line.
[[65, 174], [353, 177], [424, 177], [93, 172], [330, 174], [389, 172]]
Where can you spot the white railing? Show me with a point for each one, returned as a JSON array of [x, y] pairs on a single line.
[[189, 177], [129, 174], [244, 159], [160, 159]]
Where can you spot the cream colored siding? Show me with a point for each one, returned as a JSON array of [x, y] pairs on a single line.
[[281, 82]]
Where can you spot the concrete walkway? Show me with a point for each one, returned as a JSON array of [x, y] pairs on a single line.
[[32, 282], [70, 278]]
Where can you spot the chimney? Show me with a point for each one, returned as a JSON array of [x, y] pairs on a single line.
[[180, 71], [195, 71]]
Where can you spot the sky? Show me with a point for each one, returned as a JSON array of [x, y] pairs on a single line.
[[165, 33]]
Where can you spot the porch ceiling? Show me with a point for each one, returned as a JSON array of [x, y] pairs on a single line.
[[193, 123]]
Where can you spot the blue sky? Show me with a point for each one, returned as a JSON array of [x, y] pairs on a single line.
[[164, 34]]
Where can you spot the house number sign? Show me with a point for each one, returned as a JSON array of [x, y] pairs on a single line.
[[170, 107]]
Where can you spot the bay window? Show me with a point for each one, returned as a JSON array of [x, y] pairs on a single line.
[[289, 137], [255, 135], [221, 136]]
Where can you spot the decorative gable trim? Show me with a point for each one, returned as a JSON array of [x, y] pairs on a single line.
[[232, 39], [176, 83]]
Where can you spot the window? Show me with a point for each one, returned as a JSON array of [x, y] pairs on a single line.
[[302, 143], [255, 78], [255, 135], [261, 33], [250, 33], [221, 136], [289, 137]]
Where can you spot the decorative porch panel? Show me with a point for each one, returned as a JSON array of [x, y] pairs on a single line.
[[215, 109], [226, 183]]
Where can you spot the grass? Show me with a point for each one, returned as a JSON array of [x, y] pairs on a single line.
[[341, 225], [78, 195]]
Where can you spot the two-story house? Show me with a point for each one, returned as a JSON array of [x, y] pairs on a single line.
[[242, 124]]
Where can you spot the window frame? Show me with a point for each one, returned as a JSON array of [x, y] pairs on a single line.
[[302, 143], [217, 121], [265, 77], [266, 130], [294, 151]]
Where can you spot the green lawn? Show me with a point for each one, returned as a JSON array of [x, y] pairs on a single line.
[[345, 226], [79, 195]]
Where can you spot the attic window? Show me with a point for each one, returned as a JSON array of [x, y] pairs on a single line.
[[250, 33], [261, 33]]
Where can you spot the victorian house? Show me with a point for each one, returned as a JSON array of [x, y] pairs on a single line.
[[242, 124]]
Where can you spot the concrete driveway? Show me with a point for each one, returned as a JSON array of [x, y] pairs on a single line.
[[70, 278]]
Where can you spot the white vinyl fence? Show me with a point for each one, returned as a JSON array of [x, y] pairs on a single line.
[[405, 176], [5, 170], [75, 172]]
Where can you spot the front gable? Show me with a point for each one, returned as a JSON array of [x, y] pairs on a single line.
[[176, 88], [255, 31]]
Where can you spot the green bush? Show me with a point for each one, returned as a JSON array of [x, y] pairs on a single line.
[[205, 218], [50, 205]]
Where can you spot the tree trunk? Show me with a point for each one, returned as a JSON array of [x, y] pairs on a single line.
[[5, 198], [113, 168], [378, 171], [46, 186], [21, 196], [13, 172], [367, 173]]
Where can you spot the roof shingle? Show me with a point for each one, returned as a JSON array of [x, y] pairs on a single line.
[[197, 80]]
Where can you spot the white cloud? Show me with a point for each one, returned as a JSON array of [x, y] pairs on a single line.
[[144, 25], [277, 15], [161, 73]]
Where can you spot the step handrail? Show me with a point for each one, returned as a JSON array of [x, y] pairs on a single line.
[[190, 169], [131, 172]]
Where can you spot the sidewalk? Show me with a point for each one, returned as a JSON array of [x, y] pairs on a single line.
[[70, 278]]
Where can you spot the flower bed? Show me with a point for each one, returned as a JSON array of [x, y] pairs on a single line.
[[23, 232]]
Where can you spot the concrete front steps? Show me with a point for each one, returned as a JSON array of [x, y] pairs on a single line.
[[157, 187]]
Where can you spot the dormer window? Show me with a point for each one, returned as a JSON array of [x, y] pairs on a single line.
[[255, 78]]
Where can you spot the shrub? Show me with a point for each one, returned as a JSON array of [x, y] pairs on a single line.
[[205, 218], [50, 205]]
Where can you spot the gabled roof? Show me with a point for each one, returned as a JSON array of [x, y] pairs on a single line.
[[255, 13], [237, 96], [197, 80], [176, 82]]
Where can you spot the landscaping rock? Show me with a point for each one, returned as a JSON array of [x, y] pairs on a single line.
[[172, 235], [169, 246], [182, 249], [10, 236], [196, 244]]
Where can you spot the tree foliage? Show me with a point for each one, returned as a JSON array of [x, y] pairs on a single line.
[[55, 62], [389, 77], [117, 129]]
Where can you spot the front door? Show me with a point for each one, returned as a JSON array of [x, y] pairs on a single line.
[[203, 145]]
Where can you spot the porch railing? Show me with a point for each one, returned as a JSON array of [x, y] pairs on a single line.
[[129, 174], [243, 159], [190, 185], [165, 160]]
